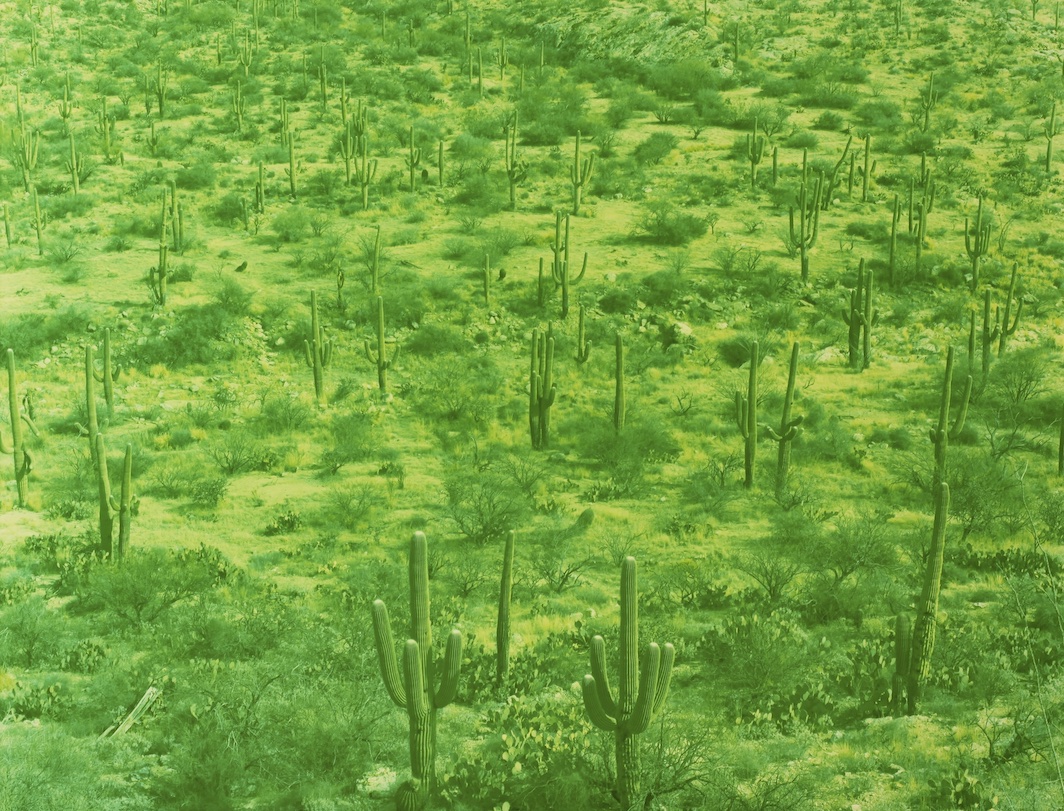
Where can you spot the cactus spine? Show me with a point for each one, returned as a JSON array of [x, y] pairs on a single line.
[[417, 691], [923, 643], [944, 431], [790, 427], [21, 457], [580, 175], [641, 691], [381, 361], [317, 352], [541, 388], [746, 417], [619, 401], [976, 242], [502, 627], [112, 508]]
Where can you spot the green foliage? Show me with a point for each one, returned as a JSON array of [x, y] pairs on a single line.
[[664, 223], [655, 148], [146, 583]]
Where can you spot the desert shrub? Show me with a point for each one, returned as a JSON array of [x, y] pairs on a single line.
[[626, 457], [291, 225], [283, 523], [200, 175], [144, 584], [353, 440], [195, 335], [683, 78], [802, 140], [31, 634], [829, 120], [483, 505], [436, 339], [664, 223], [655, 148], [71, 556]]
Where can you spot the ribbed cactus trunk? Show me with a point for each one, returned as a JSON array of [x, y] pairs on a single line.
[[502, 627], [18, 447], [746, 417], [415, 691], [629, 766], [641, 692], [902, 647], [923, 644]]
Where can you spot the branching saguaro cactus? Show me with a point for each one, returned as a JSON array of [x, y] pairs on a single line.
[[1005, 326], [746, 417], [892, 261], [641, 691], [75, 165], [92, 427], [413, 159], [381, 359], [923, 643], [790, 426], [977, 242], [502, 626], [22, 459], [418, 690], [541, 388], [317, 352], [869, 168], [580, 175], [106, 372], [560, 268], [112, 508], [1050, 133], [860, 316], [516, 169], [755, 151], [803, 238], [944, 431]]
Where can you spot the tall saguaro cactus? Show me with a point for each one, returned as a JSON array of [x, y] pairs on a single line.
[[502, 626], [790, 427], [381, 359], [803, 238], [22, 459], [860, 316], [110, 507], [541, 388], [944, 431], [619, 399], [580, 175], [1050, 134], [977, 242], [755, 151], [746, 417], [560, 268], [317, 351], [418, 690], [107, 372], [640, 695], [923, 641]]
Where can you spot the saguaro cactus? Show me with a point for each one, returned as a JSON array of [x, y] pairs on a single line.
[[417, 690], [746, 417], [541, 388], [516, 169], [942, 433], [317, 352], [803, 238], [580, 175], [1050, 134], [92, 427], [107, 372], [619, 400], [381, 360], [977, 242], [755, 151], [641, 691], [560, 268], [110, 507], [22, 459], [860, 316], [502, 626], [1006, 325], [923, 644], [790, 427], [583, 345]]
